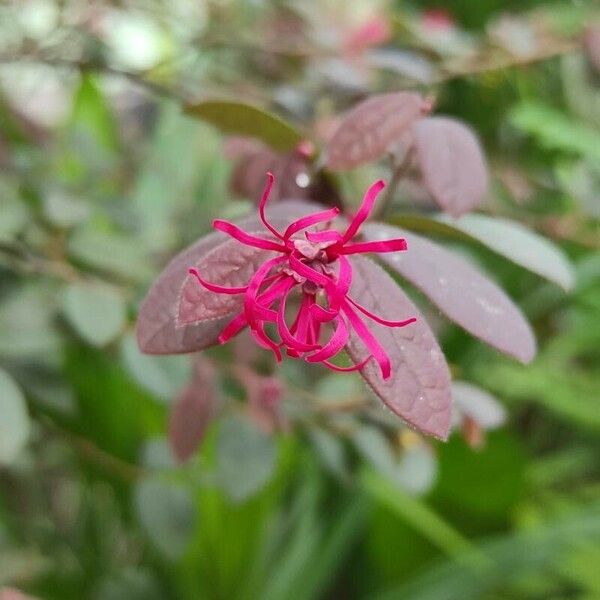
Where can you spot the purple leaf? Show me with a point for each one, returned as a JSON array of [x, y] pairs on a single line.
[[230, 264], [419, 387], [157, 329], [293, 174], [452, 163], [459, 290], [192, 411], [370, 128]]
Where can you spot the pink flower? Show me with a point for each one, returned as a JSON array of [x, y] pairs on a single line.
[[313, 265], [437, 20], [373, 32]]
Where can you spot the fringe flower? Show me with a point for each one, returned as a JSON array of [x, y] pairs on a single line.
[[314, 263]]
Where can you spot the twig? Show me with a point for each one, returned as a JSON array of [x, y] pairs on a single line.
[[398, 173], [90, 451], [22, 260], [94, 66], [561, 49]]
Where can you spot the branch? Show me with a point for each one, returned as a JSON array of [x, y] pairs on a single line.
[[493, 64], [94, 66]]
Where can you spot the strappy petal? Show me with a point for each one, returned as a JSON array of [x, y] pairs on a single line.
[[319, 237], [397, 245], [233, 328], [266, 342], [350, 369], [379, 319], [338, 292], [285, 333], [370, 341], [253, 309], [322, 314], [334, 345], [263, 203], [309, 220], [364, 211], [218, 289], [309, 273], [246, 238]]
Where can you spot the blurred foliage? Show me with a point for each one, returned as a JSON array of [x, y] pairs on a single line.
[[104, 176]]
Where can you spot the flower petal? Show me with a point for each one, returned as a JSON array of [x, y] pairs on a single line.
[[286, 336], [370, 341], [246, 238], [334, 345], [309, 220], [252, 308], [263, 203], [379, 319], [397, 245], [364, 211]]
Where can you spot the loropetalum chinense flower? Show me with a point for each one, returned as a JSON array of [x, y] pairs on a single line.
[[310, 263]]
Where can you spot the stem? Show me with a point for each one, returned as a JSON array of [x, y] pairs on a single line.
[[94, 66], [490, 66], [398, 173], [87, 449]]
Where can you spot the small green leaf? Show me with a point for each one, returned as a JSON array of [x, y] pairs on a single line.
[[246, 458], [415, 471], [134, 583], [65, 210], [110, 252], [13, 210], [556, 131], [14, 420], [163, 376], [166, 512], [26, 324], [503, 236], [91, 114], [96, 311], [331, 452], [238, 118]]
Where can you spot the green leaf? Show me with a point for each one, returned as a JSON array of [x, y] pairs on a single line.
[[166, 512], [246, 458], [239, 118], [553, 130], [483, 485], [431, 525], [13, 211], [414, 471], [96, 311], [331, 452], [22, 564], [163, 376], [541, 550], [110, 252], [130, 584], [91, 114], [26, 327], [64, 210], [165, 184], [504, 237], [14, 420], [570, 393]]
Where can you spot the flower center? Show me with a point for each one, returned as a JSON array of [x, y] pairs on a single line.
[[311, 250]]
